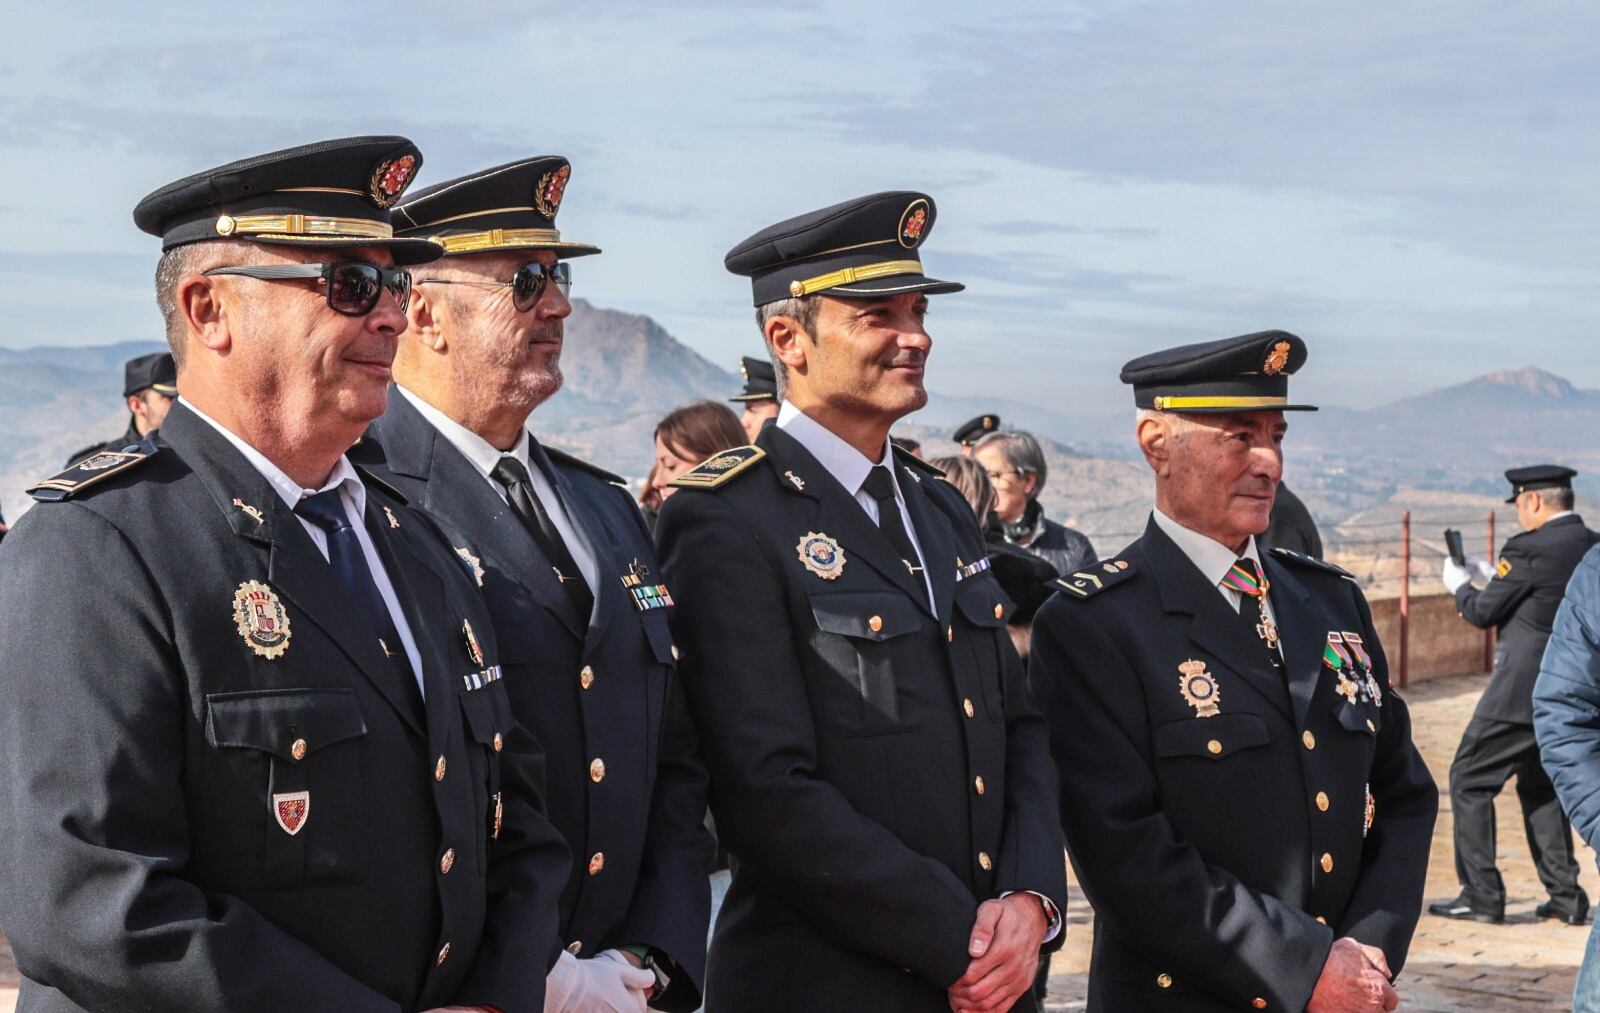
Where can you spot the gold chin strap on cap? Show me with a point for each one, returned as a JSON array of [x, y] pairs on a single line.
[[1178, 404], [317, 226], [850, 275], [495, 239]]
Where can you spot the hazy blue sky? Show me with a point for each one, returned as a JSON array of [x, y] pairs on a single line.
[[1411, 187]]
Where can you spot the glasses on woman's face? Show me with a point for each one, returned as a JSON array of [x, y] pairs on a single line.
[[352, 287], [527, 285], [996, 476]]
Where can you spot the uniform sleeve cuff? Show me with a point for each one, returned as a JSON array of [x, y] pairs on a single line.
[[1051, 912]]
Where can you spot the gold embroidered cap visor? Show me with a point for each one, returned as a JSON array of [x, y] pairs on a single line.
[[330, 194], [1247, 373], [508, 207], [863, 248]]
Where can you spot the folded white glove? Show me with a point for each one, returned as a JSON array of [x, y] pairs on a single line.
[[1484, 570], [1454, 575], [602, 985]]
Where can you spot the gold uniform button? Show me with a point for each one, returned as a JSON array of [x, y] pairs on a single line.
[[444, 951], [967, 708], [977, 783], [1321, 920], [575, 947], [226, 225], [1322, 801], [297, 749], [597, 770], [447, 861], [597, 861], [1258, 1002], [999, 610], [1214, 747], [675, 654], [1164, 980], [983, 861], [949, 634], [439, 768], [499, 742], [875, 623], [1371, 727], [1309, 739], [586, 677], [1327, 862]]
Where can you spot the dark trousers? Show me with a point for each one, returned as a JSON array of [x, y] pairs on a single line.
[[1490, 753]]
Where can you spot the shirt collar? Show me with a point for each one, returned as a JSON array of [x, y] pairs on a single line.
[[844, 462], [1557, 517], [290, 491], [482, 454], [1211, 557]]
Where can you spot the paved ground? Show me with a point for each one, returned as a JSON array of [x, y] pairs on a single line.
[[1521, 967], [1525, 965]]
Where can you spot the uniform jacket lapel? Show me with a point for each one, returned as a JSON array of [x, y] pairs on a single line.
[[1301, 631], [933, 533]]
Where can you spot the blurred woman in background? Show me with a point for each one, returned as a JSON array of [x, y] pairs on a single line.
[[688, 435]]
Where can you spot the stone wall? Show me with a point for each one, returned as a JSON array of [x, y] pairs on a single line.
[[1442, 643]]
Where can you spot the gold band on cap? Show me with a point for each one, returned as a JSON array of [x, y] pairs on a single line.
[[303, 225], [1178, 404], [850, 275], [495, 239]]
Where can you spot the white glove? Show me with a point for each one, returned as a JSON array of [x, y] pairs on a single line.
[[601, 985], [1454, 575], [1484, 570]]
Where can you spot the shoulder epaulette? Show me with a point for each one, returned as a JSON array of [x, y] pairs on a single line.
[[567, 459], [1095, 577], [90, 471], [917, 464], [1313, 562], [720, 469]]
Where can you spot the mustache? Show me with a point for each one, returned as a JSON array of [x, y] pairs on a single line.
[[551, 331]]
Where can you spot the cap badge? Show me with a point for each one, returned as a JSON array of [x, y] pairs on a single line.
[[290, 809], [473, 650], [821, 555], [552, 186], [1199, 688], [261, 619], [1276, 359], [913, 222], [390, 178]]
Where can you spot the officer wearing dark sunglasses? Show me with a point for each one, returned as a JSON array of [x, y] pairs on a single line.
[[252, 712], [581, 613]]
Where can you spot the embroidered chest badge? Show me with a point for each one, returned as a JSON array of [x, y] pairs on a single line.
[[261, 619], [821, 555], [1199, 688]]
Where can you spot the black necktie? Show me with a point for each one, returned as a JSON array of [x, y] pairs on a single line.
[[526, 505], [1247, 580], [880, 486], [326, 511]]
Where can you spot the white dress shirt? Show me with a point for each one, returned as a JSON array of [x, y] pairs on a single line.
[[850, 467], [483, 455], [1213, 559], [353, 495]]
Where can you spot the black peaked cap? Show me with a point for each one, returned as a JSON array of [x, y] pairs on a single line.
[[1247, 373], [156, 371], [508, 207], [1539, 476], [760, 381]]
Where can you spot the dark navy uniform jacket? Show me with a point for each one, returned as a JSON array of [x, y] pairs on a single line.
[[1224, 854], [625, 783], [144, 740], [1520, 602], [877, 769]]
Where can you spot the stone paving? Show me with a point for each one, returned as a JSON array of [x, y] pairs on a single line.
[[1521, 967]]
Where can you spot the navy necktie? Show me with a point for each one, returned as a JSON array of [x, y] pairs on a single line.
[[326, 511], [525, 503], [880, 486]]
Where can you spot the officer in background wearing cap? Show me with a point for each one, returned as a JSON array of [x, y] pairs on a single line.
[[256, 731], [760, 395], [1241, 796], [581, 613], [149, 383], [971, 431], [1520, 600], [877, 772]]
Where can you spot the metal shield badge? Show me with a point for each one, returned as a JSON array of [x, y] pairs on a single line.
[[821, 555], [261, 619], [1199, 688], [291, 809]]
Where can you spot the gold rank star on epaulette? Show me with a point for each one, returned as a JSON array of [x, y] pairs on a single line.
[[717, 471], [1096, 577], [89, 471]]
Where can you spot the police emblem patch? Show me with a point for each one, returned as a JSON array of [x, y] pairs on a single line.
[[821, 555], [1501, 568], [473, 563], [261, 619], [390, 179], [100, 462], [913, 222], [1276, 359], [1199, 688], [291, 809], [552, 186], [473, 650]]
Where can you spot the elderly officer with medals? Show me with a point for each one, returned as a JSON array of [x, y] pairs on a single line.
[[259, 748], [877, 771], [581, 613], [1240, 793]]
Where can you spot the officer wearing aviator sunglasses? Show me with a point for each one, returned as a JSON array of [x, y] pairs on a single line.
[[581, 612], [293, 775]]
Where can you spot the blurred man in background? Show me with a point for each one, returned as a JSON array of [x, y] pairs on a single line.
[[149, 383], [759, 397]]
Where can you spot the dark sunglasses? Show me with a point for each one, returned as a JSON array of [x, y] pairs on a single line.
[[352, 286], [527, 285]]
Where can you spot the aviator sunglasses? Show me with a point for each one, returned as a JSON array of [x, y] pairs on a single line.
[[352, 286], [527, 285]]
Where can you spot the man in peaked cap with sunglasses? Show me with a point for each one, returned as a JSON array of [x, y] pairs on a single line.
[[1241, 796], [260, 749], [582, 615], [877, 772]]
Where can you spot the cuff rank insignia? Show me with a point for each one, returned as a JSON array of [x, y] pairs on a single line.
[[717, 471], [1093, 579], [1312, 562], [91, 470]]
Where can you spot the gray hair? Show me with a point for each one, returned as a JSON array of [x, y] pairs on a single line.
[[1022, 454], [179, 263], [804, 310]]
